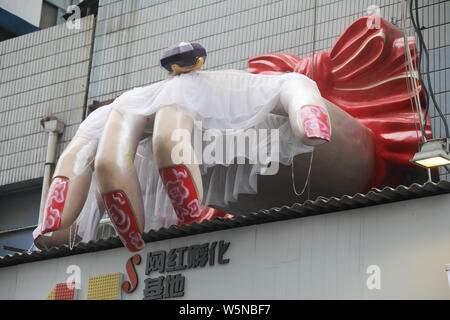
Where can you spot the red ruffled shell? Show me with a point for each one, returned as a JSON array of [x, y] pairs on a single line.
[[364, 74]]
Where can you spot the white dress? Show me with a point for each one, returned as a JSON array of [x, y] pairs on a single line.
[[215, 100]]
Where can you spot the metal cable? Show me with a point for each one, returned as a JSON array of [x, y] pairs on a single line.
[[427, 95], [410, 81], [418, 30], [308, 178]]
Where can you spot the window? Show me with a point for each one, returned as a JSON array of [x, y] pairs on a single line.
[[19, 214], [53, 11], [49, 15]]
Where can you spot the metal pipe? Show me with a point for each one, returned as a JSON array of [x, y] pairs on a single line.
[[54, 127]]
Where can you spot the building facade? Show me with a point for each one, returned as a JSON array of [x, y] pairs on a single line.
[[394, 245], [39, 14]]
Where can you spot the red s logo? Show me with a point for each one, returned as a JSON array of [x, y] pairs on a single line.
[[130, 286]]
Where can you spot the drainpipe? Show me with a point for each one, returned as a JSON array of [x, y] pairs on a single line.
[[54, 127]]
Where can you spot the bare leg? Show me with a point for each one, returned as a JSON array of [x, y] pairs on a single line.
[[67, 193], [117, 177], [59, 237], [70, 185], [180, 174]]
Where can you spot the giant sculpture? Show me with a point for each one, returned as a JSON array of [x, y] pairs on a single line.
[[351, 129]]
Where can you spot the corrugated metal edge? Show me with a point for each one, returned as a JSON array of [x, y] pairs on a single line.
[[319, 206]]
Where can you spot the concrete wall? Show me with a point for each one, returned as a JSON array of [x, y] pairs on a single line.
[[42, 73], [131, 35], [436, 19], [320, 257]]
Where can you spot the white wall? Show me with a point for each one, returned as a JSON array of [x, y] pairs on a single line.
[[43, 73], [29, 10], [319, 257]]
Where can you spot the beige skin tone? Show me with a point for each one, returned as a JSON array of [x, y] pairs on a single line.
[[78, 183], [57, 238], [116, 172], [167, 121], [76, 194], [115, 156], [343, 166]]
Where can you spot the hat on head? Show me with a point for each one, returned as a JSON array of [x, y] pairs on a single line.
[[184, 57]]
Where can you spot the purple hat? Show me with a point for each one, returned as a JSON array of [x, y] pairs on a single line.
[[184, 54]]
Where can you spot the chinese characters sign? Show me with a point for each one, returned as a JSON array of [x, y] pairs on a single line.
[[176, 260]]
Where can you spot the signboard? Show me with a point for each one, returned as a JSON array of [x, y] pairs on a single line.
[[162, 277], [176, 260]]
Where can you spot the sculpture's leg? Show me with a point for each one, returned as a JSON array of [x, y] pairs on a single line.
[[180, 174], [117, 178], [67, 236], [308, 114], [70, 185], [67, 192]]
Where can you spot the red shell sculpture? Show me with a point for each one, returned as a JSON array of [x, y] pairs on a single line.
[[364, 74]]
